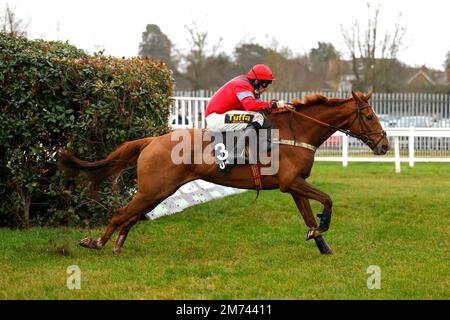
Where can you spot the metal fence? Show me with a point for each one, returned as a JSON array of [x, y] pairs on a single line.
[[396, 110]]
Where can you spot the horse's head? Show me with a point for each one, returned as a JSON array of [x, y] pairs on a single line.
[[365, 125]]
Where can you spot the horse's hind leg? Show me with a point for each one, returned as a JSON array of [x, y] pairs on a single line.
[[123, 233], [139, 205]]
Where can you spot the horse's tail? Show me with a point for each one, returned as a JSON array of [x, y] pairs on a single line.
[[123, 157]]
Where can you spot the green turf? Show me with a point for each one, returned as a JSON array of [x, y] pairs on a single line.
[[234, 248]]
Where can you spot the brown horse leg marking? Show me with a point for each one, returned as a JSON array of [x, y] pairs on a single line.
[[305, 209], [123, 233], [303, 189]]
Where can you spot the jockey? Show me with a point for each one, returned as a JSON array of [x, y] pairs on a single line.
[[237, 105]]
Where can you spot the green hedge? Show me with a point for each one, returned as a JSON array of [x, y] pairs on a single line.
[[52, 96]]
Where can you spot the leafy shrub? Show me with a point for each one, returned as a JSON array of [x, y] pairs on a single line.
[[52, 96]]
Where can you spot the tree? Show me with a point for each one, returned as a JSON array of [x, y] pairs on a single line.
[[205, 67], [217, 70], [10, 23], [447, 60], [156, 44], [373, 53], [249, 54], [196, 57], [324, 65], [293, 75]]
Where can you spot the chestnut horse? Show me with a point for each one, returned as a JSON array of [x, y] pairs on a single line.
[[303, 127]]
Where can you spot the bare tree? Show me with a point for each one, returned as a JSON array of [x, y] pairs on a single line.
[[373, 53], [201, 58], [10, 23]]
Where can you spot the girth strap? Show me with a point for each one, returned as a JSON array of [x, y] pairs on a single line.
[[296, 144]]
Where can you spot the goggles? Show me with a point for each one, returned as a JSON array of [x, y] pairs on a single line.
[[265, 83]]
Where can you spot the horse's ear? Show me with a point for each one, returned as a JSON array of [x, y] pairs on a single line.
[[356, 97], [369, 94]]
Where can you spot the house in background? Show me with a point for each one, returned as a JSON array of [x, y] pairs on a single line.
[[404, 78], [429, 80], [420, 79], [427, 77]]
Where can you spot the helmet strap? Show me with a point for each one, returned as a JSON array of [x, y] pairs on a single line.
[[255, 84], [256, 93]]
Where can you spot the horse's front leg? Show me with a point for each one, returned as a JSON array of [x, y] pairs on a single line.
[[306, 212], [304, 207], [303, 189]]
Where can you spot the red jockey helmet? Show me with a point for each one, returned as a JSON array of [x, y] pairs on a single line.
[[260, 72]]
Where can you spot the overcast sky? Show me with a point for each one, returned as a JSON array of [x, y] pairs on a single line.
[[117, 25]]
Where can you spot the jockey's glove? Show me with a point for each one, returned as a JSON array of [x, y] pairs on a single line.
[[280, 104]]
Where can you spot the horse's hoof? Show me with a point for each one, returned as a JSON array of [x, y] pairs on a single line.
[[323, 246], [117, 250], [327, 251], [90, 243], [312, 233], [85, 242]]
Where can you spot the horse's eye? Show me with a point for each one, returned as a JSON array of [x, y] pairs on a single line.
[[369, 117]]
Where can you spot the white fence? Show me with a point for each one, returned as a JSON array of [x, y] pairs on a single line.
[[188, 112], [407, 144]]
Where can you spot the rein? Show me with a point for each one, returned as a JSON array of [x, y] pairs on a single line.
[[362, 136]]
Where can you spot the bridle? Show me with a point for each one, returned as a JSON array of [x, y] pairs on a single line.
[[364, 137]]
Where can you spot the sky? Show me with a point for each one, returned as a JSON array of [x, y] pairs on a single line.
[[116, 26]]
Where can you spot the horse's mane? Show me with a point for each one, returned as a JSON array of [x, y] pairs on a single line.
[[316, 99], [311, 100]]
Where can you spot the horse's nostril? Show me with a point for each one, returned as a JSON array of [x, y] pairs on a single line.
[[384, 148]]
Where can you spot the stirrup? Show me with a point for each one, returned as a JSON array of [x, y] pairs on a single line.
[[223, 168]]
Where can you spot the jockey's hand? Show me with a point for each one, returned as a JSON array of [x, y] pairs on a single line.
[[281, 104]]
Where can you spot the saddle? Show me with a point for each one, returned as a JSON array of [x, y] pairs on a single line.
[[242, 147]]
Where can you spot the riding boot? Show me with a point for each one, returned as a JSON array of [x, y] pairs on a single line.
[[238, 154]]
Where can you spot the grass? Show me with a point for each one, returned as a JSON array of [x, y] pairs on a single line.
[[233, 248]]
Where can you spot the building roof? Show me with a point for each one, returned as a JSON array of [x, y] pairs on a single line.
[[432, 76], [421, 74]]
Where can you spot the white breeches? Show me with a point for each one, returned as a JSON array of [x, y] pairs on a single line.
[[233, 120]]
